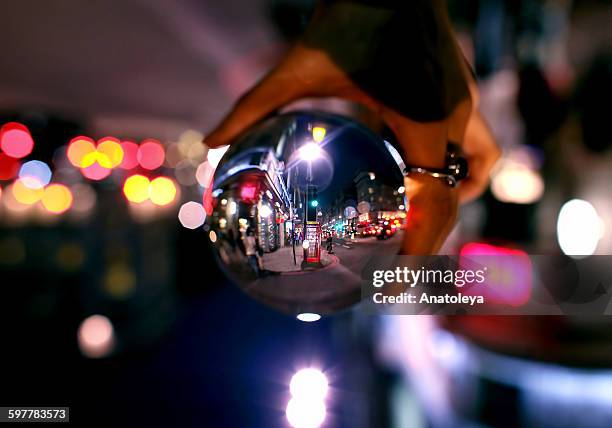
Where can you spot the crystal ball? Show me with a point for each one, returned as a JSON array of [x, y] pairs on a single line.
[[300, 204]]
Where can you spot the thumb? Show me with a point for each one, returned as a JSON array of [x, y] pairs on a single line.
[[275, 90]]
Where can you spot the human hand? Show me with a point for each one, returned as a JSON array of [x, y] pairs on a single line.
[[481, 153], [308, 72]]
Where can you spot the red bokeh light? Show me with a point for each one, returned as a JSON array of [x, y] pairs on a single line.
[[15, 140], [95, 172], [508, 277], [151, 154], [130, 155], [9, 167]]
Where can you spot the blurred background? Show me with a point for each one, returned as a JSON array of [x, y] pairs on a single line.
[[111, 301]]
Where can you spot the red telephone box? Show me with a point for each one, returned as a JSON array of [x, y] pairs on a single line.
[[313, 236]]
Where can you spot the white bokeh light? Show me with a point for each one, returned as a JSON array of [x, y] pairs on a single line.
[[192, 215], [304, 413], [204, 174], [308, 317], [517, 183], [579, 228], [309, 383], [96, 336]]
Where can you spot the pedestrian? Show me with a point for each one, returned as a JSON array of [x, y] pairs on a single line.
[[330, 244], [251, 248]]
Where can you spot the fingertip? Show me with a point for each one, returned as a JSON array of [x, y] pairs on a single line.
[[212, 140]]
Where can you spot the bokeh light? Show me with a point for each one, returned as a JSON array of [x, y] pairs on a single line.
[[309, 383], [162, 191], [150, 154], [517, 183], [185, 172], [15, 140], [192, 215], [35, 174], [130, 155], [119, 280], [95, 172], [509, 273], [205, 173], [57, 198], [96, 336], [109, 152], [84, 199], [306, 409], [190, 145], [9, 167], [12, 251], [25, 194], [13, 207], [579, 228], [303, 413], [81, 152], [70, 256], [308, 317], [173, 155], [136, 188], [94, 161]]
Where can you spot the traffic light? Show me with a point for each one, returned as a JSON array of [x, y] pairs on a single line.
[[313, 203]]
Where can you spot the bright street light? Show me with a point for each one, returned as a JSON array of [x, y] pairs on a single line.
[[310, 151]]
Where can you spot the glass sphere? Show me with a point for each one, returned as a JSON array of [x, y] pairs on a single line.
[[301, 203]]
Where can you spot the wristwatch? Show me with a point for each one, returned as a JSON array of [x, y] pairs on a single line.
[[456, 168]]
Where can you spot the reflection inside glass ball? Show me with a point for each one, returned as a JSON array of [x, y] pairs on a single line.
[[300, 204]]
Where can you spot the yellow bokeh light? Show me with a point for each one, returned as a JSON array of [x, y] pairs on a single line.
[[110, 153], [26, 195], [82, 152], [162, 191], [136, 188], [57, 198], [318, 133]]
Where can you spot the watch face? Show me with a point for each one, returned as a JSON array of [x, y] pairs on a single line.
[[299, 206]]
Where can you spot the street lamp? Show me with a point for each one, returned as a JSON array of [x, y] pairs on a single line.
[[310, 151]]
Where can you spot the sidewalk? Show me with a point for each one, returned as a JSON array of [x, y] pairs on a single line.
[[282, 259]]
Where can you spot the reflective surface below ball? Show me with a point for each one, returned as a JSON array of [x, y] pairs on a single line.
[[301, 203]]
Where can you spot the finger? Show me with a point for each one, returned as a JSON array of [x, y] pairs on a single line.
[[274, 91]]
